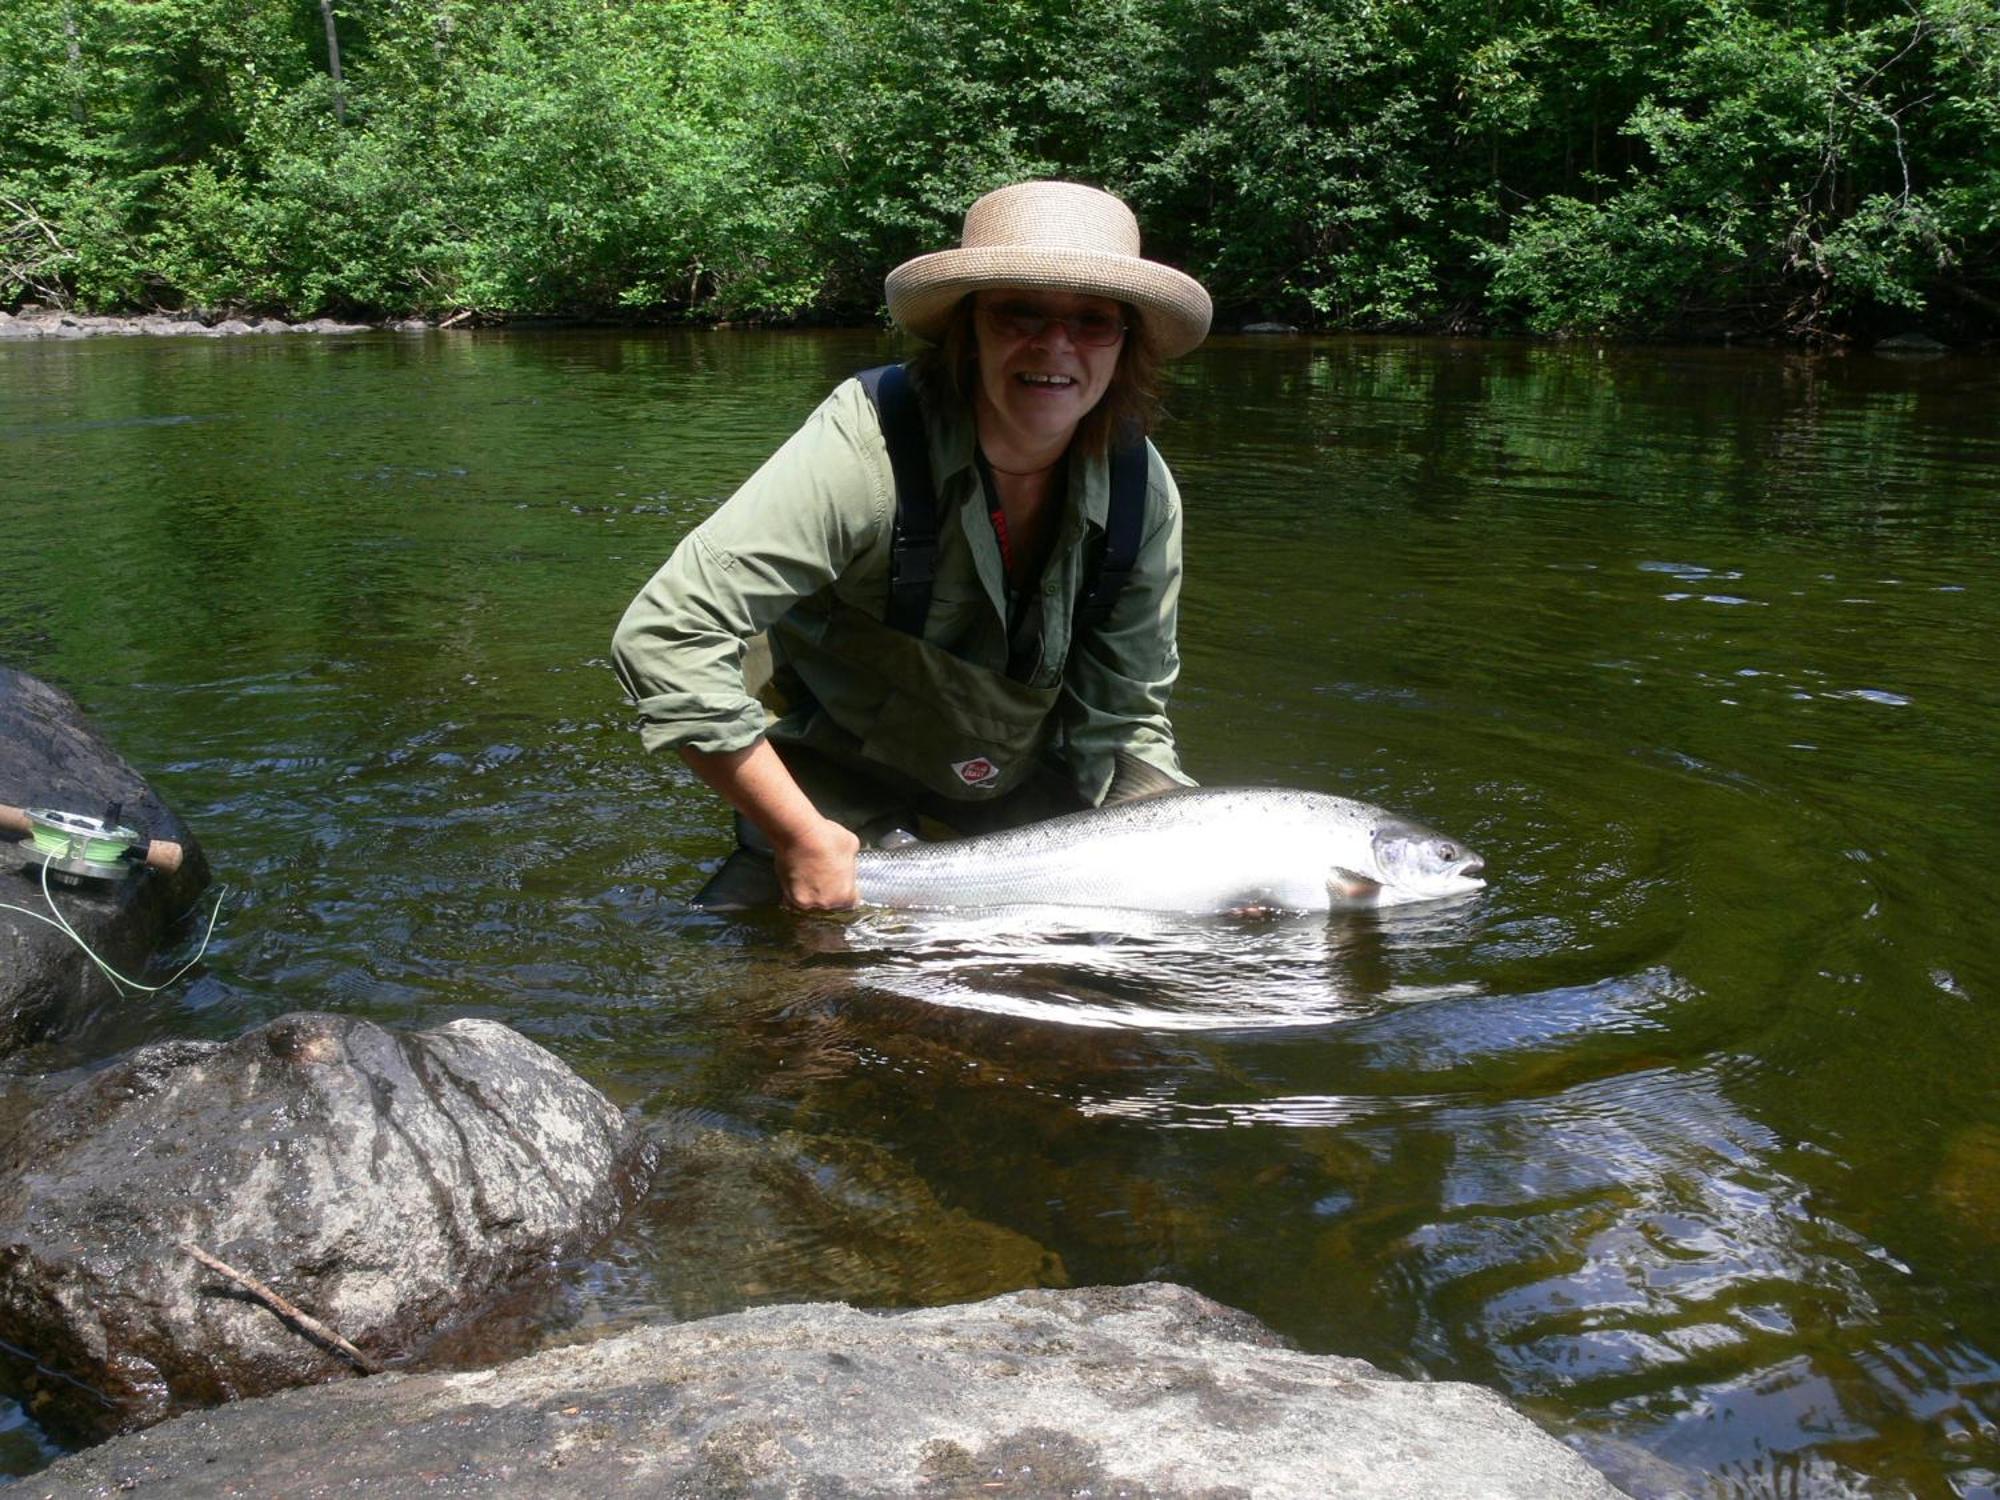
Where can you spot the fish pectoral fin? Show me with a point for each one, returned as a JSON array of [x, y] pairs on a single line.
[[1253, 911], [1352, 887], [1133, 778]]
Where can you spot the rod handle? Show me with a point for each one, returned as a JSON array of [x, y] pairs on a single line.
[[163, 855], [13, 820]]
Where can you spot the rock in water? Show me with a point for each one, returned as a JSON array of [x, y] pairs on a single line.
[[1911, 343], [387, 1185], [1150, 1391], [51, 757]]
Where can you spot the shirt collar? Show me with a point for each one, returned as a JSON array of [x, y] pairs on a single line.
[[952, 438]]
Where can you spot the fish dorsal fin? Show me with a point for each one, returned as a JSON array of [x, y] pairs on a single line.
[[1133, 778]]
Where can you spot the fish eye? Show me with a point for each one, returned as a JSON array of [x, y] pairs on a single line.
[[1446, 849]]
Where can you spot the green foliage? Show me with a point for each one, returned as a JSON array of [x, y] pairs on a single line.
[[1791, 175], [1557, 165]]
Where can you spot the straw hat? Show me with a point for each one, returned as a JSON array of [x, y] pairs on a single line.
[[1054, 236]]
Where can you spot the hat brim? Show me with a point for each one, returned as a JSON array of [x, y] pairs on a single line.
[[923, 292]]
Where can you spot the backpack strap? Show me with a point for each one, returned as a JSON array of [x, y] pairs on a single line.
[[913, 543], [1124, 520]]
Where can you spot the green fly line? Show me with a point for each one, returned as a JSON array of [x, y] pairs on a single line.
[[60, 846], [55, 843]]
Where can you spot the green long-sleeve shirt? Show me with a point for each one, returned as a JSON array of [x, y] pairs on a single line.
[[819, 515]]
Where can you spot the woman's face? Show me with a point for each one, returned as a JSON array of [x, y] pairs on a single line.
[[1037, 383]]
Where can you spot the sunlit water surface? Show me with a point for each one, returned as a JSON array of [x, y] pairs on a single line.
[[1684, 1133]]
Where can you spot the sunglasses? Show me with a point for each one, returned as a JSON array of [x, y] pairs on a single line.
[[1023, 320]]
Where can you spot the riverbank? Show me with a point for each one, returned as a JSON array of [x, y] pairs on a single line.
[[33, 323], [54, 323]]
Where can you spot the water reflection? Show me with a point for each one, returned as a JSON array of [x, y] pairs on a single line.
[[1149, 971]]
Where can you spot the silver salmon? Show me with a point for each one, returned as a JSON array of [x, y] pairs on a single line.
[[1189, 850]]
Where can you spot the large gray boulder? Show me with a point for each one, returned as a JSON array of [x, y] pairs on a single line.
[[51, 757], [388, 1185], [1148, 1391]]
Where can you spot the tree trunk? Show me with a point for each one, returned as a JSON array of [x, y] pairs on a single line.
[[74, 48], [333, 63]]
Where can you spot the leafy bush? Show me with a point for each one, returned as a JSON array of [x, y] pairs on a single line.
[[1562, 165]]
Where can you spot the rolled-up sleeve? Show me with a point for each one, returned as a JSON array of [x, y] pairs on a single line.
[[1121, 674], [820, 502]]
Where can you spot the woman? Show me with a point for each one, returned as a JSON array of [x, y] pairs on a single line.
[[834, 679]]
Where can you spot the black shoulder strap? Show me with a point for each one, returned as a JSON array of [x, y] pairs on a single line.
[[913, 543], [1124, 521]]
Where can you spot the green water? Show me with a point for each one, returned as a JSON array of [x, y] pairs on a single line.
[[1684, 1134]]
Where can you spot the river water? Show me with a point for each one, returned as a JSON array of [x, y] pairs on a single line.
[[1684, 1134]]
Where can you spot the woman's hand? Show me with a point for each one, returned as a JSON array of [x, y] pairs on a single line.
[[814, 856], [816, 869]]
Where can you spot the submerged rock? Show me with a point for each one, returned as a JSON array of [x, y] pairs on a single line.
[[730, 1213], [387, 1185], [50, 757], [1148, 1391], [1911, 343]]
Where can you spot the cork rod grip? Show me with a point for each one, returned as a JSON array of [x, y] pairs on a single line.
[[13, 820]]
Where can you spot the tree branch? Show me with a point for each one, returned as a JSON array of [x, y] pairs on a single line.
[[305, 1323]]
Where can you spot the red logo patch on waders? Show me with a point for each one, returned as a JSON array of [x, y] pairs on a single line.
[[979, 771]]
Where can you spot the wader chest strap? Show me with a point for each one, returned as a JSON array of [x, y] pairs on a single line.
[[913, 543], [1123, 521]]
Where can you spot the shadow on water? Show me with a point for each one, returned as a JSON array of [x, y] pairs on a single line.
[[1682, 1132]]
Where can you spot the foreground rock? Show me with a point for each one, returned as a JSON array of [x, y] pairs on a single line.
[[387, 1185], [1138, 1391], [51, 757]]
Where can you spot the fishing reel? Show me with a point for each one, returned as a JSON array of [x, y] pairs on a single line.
[[74, 847]]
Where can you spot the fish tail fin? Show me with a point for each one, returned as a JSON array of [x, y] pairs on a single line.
[[746, 879]]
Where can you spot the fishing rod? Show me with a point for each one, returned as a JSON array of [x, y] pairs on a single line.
[[75, 847]]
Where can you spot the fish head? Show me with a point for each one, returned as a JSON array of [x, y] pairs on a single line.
[[1415, 863]]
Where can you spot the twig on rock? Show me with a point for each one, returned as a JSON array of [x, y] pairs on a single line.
[[305, 1322]]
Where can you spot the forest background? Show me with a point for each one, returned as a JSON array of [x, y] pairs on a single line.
[[1819, 169]]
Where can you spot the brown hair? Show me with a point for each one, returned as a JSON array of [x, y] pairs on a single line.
[[1130, 403]]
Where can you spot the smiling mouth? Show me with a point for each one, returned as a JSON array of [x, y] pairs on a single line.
[[1046, 382]]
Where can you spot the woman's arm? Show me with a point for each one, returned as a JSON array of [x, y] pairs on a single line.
[[819, 508], [1120, 673], [814, 855]]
